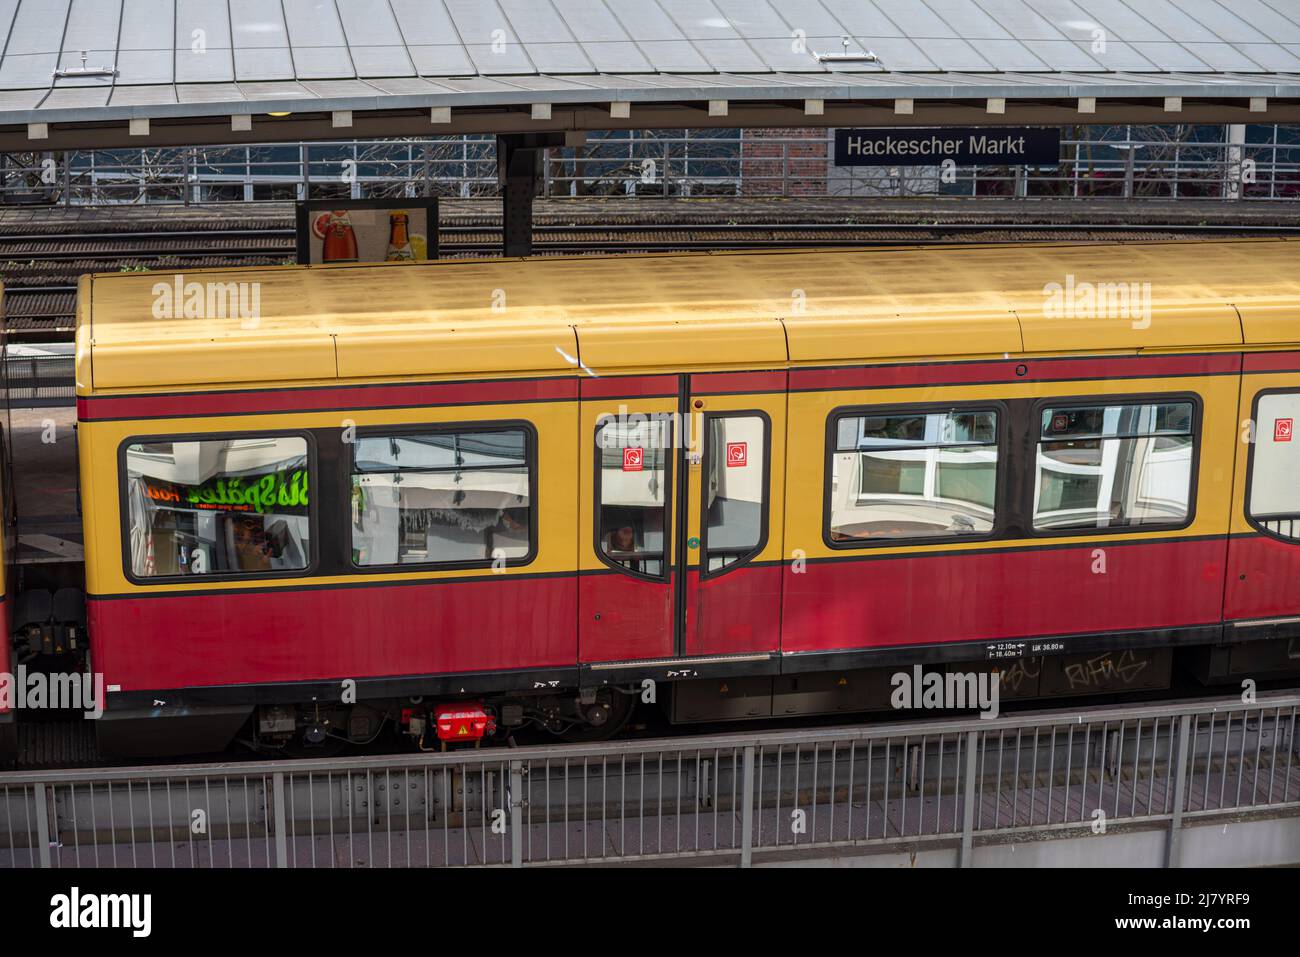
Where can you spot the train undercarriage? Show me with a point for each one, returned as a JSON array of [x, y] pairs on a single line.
[[440, 722]]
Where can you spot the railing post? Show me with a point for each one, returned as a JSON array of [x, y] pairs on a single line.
[[1180, 793], [968, 806], [747, 808], [281, 837], [42, 822], [517, 814]]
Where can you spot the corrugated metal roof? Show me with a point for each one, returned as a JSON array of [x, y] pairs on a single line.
[[186, 58]]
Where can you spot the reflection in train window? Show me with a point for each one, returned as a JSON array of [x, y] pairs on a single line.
[[1114, 466], [1274, 502], [441, 497], [735, 490], [904, 475], [218, 506], [632, 452]]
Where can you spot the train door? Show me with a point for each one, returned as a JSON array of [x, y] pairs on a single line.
[[677, 504], [627, 591], [734, 490]]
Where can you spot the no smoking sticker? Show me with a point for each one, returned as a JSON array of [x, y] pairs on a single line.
[[1281, 430], [633, 460], [737, 454]]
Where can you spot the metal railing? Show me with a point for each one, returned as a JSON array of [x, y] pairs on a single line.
[[36, 380], [714, 799], [1258, 161]]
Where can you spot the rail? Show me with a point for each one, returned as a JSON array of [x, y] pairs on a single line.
[[724, 799]]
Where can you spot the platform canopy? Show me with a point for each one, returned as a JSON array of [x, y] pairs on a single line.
[[82, 73]]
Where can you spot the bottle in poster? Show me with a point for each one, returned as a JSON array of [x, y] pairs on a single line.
[[338, 240], [399, 240]]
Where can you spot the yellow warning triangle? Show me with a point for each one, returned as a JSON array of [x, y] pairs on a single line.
[[464, 729]]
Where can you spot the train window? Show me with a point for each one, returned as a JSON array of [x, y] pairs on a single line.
[[631, 494], [218, 506], [735, 489], [906, 475], [1114, 466], [442, 497], [1274, 502]]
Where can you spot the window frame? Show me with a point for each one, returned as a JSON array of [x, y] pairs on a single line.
[[347, 463], [670, 491], [1066, 403], [1001, 509], [1250, 465], [313, 510], [749, 556]]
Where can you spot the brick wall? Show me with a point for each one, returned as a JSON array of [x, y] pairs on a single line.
[[793, 162]]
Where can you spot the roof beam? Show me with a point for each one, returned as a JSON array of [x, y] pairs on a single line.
[[376, 124]]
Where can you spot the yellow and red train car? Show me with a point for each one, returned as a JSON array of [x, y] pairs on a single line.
[[764, 481]]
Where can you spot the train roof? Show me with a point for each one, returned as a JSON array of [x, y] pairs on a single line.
[[643, 313]]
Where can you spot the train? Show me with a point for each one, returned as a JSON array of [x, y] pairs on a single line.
[[450, 500]]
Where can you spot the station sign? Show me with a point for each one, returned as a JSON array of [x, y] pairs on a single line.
[[367, 230], [970, 146]]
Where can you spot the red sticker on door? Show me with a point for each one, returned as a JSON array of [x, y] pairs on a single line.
[[737, 454], [1281, 430], [633, 460]]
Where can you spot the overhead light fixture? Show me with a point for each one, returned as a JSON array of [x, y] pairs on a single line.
[[286, 113]]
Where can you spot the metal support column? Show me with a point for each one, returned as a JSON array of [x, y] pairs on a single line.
[[519, 171], [43, 823], [747, 809], [1180, 792], [281, 838], [516, 794], [968, 802]]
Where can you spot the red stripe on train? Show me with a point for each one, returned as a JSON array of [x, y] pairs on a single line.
[[629, 386], [340, 397], [1036, 370], [724, 382], [989, 596], [281, 635], [550, 389], [1272, 362]]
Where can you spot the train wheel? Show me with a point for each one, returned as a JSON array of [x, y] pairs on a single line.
[[606, 717]]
